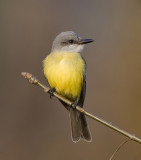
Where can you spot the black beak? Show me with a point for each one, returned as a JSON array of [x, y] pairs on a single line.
[[85, 41]]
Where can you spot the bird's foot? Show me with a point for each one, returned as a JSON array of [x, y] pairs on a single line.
[[74, 104], [51, 91]]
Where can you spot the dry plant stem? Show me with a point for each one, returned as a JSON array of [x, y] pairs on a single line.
[[119, 147], [35, 81]]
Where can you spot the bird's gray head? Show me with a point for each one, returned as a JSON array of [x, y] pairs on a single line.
[[69, 42]]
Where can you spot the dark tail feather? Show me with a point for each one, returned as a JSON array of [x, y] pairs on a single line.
[[75, 125], [79, 126], [86, 135]]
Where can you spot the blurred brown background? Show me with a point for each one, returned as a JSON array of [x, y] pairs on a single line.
[[34, 127]]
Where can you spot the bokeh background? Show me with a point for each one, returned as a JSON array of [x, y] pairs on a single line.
[[34, 127]]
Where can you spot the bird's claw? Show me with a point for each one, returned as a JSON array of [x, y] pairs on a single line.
[[74, 104], [51, 91]]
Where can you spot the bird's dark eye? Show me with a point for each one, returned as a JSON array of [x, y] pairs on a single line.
[[71, 41]]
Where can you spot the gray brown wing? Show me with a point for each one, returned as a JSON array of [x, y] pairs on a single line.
[[84, 128], [83, 91]]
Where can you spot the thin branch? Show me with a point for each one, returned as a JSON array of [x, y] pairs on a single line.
[[32, 79], [119, 147]]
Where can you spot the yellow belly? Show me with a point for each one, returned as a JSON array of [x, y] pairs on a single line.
[[64, 72]]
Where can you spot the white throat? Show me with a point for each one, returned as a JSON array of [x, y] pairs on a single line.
[[71, 48]]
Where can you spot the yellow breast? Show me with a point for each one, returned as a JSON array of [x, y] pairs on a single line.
[[64, 72]]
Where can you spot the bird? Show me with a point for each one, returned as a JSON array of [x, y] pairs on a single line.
[[65, 70]]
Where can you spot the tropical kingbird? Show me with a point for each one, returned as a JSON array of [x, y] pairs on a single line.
[[65, 70]]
